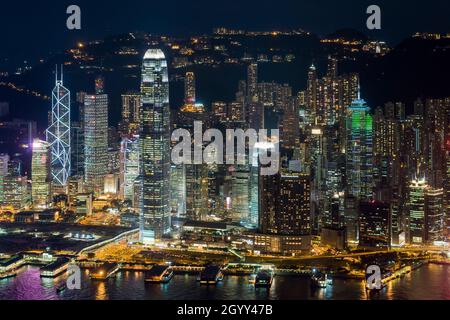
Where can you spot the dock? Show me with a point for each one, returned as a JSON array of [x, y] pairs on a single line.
[[159, 274], [55, 268], [105, 271]]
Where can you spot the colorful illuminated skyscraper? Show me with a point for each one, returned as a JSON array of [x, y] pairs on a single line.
[[359, 163], [359, 151]]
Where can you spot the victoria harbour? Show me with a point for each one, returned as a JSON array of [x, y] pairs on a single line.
[[431, 282]]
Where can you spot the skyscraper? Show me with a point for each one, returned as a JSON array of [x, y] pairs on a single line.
[[416, 212], [131, 106], [434, 215], [285, 204], [4, 160], [312, 94], [40, 175], [189, 88], [359, 151], [96, 141], [359, 163], [59, 135], [374, 222], [129, 166], [155, 147], [252, 82]]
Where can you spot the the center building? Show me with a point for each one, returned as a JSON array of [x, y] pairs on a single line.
[[155, 147]]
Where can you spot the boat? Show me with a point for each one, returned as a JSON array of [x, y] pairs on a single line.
[[264, 278], [211, 275], [252, 279], [320, 280], [159, 274]]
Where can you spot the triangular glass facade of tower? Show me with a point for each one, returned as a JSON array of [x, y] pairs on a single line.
[[58, 134]]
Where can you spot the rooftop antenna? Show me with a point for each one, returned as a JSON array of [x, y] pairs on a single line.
[[62, 73]]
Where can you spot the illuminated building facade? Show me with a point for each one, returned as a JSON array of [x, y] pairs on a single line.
[[129, 166], [96, 142], [189, 89], [374, 224], [241, 193], [252, 82], [15, 192], [285, 204], [4, 160], [155, 147], [416, 212], [359, 151], [131, 106], [359, 163], [195, 194], [59, 135], [434, 215], [40, 175]]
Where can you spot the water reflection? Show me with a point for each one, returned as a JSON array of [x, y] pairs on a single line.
[[429, 282]]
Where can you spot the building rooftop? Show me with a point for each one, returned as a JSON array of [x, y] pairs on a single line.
[[154, 54]]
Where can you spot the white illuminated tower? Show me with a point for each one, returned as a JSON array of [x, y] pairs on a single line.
[[155, 147], [58, 134]]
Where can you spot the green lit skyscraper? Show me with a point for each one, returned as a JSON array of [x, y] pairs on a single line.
[[155, 147], [359, 163], [359, 151]]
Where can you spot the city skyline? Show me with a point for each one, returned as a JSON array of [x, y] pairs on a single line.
[[260, 165]]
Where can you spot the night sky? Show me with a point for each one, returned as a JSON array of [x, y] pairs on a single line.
[[32, 29]]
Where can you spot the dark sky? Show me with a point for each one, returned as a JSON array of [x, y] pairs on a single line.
[[34, 28]]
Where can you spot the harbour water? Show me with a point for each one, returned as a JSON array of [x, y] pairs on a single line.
[[431, 282]]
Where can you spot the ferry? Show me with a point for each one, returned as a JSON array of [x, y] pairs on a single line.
[[264, 278], [211, 275], [320, 280], [159, 274]]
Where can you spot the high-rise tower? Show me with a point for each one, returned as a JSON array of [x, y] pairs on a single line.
[[359, 163], [95, 141], [189, 88], [155, 147], [58, 134], [40, 175], [359, 151]]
